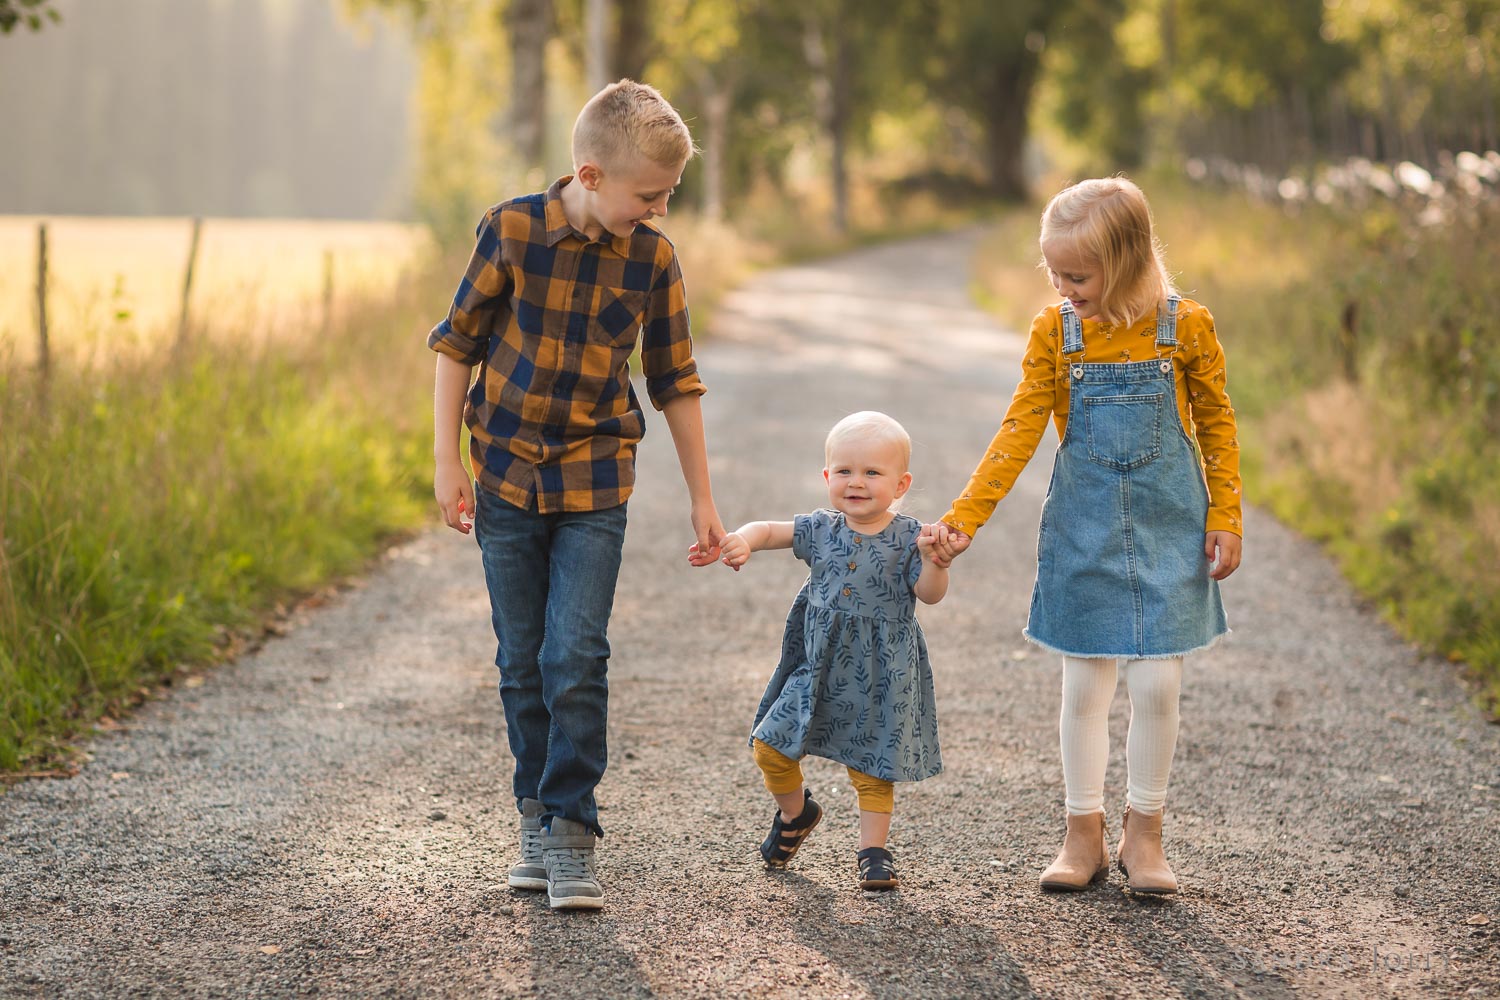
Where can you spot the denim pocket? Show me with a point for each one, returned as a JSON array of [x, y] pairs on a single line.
[[1124, 432]]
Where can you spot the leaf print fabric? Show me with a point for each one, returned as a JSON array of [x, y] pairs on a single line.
[[854, 683]]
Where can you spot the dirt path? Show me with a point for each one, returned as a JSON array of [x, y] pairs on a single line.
[[340, 798]]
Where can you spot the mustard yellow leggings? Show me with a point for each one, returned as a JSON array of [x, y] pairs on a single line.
[[783, 775]]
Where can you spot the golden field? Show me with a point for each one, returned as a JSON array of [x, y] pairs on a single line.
[[116, 283]]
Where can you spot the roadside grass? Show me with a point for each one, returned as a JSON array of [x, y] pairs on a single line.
[[1365, 369], [155, 509]]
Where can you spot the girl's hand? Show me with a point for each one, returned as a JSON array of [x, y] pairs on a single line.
[[734, 551], [950, 541], [927, 548], [1223, 551]]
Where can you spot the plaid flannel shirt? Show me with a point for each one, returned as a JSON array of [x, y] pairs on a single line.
[[552, 318]]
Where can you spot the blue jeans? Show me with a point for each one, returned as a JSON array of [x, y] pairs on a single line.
[[551, 579]]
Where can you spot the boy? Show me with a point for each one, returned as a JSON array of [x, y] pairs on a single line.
[[559, 288]]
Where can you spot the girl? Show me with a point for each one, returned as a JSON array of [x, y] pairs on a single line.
[[1132, 545], [853, 684]]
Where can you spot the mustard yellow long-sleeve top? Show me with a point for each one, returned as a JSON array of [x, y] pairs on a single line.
[[1202, 402]]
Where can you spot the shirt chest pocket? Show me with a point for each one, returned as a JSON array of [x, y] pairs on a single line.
[[617, 316]]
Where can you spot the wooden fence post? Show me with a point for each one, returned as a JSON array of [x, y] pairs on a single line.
[[327, 290], [44, 350], [187, 281]]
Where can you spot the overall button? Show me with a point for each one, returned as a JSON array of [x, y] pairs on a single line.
[[1078, 371], [1166, 366]]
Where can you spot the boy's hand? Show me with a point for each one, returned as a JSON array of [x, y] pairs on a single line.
[[455, 495], [1223, 551], [710, 532], [734, 551]]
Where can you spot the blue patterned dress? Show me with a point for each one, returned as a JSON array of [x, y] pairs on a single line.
[[854, 684]]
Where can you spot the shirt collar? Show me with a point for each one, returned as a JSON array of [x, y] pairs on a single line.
[[558, 225]]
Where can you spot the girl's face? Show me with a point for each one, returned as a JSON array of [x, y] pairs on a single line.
[[1079, 280], [865, 477]]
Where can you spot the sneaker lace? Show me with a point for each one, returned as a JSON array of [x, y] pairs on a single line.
[[571, 866], [531, 845]]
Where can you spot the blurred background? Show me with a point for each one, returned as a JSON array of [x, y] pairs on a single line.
[[226, 225]]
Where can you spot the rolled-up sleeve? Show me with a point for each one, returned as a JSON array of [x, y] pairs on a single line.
[[666, 342], [482, 303]]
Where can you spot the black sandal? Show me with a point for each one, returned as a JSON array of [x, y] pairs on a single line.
[[877, 869], [786, 837]]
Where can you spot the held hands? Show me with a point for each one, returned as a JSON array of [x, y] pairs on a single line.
[[454, 491], [710, 532], [945, 543], [734, 551], [1223, 551]]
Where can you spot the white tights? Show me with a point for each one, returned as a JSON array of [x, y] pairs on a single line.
[[1088, 688]]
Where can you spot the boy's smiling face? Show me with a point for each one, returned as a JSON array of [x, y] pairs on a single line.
[[617, 200]]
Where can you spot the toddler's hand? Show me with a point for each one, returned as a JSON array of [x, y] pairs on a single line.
[[927, 548], [950, 541], [734, 551]]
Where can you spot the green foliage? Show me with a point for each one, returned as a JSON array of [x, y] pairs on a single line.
[[153, 505], [32, 13]]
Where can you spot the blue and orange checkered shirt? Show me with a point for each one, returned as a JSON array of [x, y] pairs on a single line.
[[552, 318]]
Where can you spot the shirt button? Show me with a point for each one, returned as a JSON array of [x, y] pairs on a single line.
[[851, 564], [846, 591], [858, 540]]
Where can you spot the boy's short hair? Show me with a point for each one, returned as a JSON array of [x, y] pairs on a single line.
[[1107, 221], [868, 424], [628, 121]]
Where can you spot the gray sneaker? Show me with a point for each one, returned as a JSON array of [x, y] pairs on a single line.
[[530, 872], [568, 851]]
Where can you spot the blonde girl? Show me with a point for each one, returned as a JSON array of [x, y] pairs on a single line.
[[1139, 526]]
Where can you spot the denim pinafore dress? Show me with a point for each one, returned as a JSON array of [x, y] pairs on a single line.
[[1121, 571]]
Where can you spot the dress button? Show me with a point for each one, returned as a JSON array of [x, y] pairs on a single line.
[[851, 564], [846, 592], [858, 540]]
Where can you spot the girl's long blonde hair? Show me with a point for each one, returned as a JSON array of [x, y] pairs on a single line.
[[1108, 223]]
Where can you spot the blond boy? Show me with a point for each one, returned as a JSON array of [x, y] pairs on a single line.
[[560, 288]]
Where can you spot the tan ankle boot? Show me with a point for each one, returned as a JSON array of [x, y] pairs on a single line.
[[1084, 858], [1140, 855]]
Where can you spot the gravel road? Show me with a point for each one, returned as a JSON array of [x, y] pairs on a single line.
[[330, 814]]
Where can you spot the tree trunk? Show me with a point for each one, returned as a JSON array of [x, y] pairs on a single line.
[[632, 48], [596, 36], [830, 88], [716, 100], [529, 24], [1005, 126]]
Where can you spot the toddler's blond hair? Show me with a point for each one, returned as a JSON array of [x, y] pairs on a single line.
[[627, 122], [869, 424], [1107, 222]]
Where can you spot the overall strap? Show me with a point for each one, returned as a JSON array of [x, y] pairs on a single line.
[[1072, 328], [1166, 324]]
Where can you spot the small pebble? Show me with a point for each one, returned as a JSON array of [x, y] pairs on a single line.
[[437, 814]]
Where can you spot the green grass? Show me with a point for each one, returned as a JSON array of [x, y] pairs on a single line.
[[151, 510], [1383, 443]]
